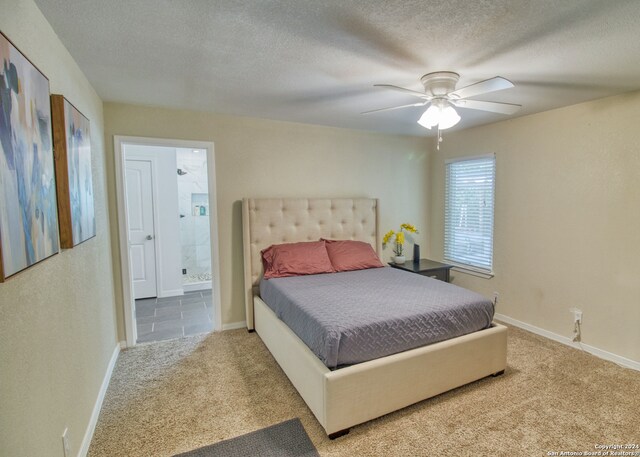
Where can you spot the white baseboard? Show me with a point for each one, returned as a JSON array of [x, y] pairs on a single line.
[[234, 325], [623, 361], [91, 427], [192, 287], [171, 293]]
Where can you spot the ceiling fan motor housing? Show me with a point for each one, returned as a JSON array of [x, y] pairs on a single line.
[[439, 83]]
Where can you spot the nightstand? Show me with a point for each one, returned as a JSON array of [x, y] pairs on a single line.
[[426, 267]]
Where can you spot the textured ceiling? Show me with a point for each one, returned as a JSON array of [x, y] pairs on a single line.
[[315, 61]]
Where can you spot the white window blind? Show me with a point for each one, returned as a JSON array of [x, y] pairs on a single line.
[[469, 205]]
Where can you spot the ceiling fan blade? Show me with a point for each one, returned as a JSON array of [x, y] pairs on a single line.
[[396, 107], [402, 89], [482, 87], [494, 107]]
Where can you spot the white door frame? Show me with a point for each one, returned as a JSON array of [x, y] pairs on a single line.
[[123, 223]]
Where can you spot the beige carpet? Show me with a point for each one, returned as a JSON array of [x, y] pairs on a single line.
[[174, 396]]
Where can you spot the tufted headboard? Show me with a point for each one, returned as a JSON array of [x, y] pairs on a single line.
[[267, 221]]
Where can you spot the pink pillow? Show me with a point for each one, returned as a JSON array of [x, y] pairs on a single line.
[[348, 255], [294, 259]]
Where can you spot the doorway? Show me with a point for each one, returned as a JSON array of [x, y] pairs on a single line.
[[168, 221]]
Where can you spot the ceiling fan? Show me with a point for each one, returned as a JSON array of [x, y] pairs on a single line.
[[441, 94]]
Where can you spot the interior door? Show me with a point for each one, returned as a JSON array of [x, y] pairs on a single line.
[[141, 229]]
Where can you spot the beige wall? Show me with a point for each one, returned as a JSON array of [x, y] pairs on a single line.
[[269, 158], [567, 228], [57, 319]]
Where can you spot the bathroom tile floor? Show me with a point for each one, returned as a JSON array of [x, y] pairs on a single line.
[[159, 319]]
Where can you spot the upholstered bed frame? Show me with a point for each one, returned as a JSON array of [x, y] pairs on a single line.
[[349, 396]]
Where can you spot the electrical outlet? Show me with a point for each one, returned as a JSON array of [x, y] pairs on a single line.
[[495, 298], [65, 443], [577, 314], [184, 271], [577, 324]]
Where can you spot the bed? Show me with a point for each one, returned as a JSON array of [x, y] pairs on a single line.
[[344, 397]]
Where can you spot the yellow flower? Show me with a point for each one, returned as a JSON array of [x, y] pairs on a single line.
[[398, 237], [409, 228]]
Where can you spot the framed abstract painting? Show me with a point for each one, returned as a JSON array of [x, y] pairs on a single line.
[[28, 209], [72, 149]]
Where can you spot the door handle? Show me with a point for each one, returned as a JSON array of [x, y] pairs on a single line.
[[149, 237]]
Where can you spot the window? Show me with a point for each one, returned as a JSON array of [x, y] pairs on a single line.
[[468, 219]]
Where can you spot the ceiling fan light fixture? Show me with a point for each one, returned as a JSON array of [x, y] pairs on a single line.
[[448, 118], [430, 117], [440, 113]]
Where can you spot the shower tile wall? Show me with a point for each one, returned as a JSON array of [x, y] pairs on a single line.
[[193, 203]]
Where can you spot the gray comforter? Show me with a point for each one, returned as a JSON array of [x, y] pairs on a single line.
[[351, 317]]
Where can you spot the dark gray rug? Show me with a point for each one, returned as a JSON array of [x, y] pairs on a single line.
[[285, 439]]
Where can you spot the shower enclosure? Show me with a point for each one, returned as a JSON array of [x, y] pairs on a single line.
[[193, 201]]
